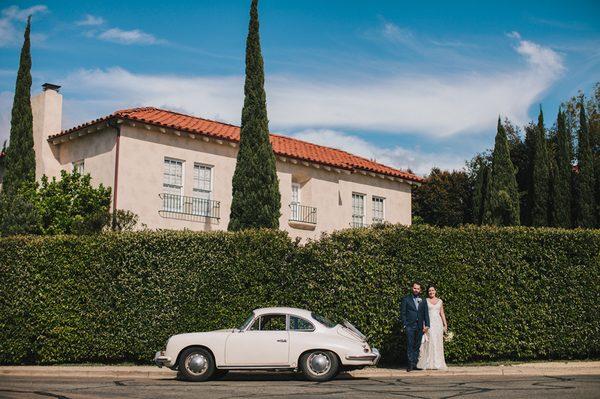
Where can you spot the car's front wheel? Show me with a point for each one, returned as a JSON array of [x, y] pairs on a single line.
[[319, 365], [196, 364]]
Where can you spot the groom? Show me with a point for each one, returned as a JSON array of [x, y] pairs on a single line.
[[415, 319]]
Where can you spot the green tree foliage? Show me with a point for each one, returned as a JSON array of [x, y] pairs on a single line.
[[561, 183], [502, 199], [2, 160], [69, 205], [585, 181], [256, 199], [123, 221], [20, 158], [594, 129], [480, 174], [444, 199], [519, 156], [526, 182], [20, 211], [539, 189]]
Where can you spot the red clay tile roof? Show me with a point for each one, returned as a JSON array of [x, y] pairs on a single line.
[[282, 145]]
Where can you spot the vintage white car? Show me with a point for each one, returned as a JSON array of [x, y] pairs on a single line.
[[270, 339]]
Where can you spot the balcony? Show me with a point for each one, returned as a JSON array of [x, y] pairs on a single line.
[[192, 208], [302, 215]]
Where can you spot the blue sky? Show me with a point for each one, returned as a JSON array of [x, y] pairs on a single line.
[[410, 85]]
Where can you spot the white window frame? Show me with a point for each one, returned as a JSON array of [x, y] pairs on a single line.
[[79, 166], [295, 205], [202, 206], [374, 200], [358, 220], [169, 204]]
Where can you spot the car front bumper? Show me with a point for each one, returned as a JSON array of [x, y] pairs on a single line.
[[161, 360], [367, 358]]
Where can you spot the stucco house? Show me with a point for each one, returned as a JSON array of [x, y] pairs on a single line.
[[174, 171]]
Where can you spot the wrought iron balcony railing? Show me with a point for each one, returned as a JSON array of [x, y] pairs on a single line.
[[192, 206], [303, 213]]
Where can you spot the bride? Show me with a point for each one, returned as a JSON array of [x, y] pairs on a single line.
[[431, 354]]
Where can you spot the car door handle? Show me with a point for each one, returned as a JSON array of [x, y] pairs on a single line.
[[282, 340]]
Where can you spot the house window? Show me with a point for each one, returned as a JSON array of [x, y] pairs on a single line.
[[358, 210], [202, 189], [295, 205], [378, 210], [79, 167], [173, 185]]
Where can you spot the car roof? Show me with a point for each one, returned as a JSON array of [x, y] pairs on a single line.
[[292, 311]]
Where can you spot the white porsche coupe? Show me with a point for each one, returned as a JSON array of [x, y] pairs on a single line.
[[270, 339]]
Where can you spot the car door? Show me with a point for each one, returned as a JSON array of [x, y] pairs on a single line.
[[264, 343]]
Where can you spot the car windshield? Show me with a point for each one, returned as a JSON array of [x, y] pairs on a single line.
[[323, 320], [247, 321]]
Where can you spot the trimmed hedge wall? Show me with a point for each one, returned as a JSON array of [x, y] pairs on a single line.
[[509, 293]]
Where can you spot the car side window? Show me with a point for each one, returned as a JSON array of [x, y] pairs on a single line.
[[300, 324], [270, 322]]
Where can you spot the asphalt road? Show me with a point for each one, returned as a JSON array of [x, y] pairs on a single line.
[[238, 385]]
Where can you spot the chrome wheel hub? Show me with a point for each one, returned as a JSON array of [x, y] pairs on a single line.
[[319, 363], [196, 363]]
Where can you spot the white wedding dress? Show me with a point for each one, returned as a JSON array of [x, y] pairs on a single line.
[[431, 354]]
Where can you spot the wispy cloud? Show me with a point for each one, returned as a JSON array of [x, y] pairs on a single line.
[[433, 105], [90, 20], [414, 159], [9, 33], [567, 25], [134, 36]]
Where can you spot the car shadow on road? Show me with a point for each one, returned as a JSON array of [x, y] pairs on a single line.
[[269, 376]]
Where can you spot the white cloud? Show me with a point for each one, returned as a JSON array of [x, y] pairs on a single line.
[[548, 62], [418, 161], [6, 100], [9, 33], [514, 35], [134, 36], [395, 33], [431, 105], [90, 20]]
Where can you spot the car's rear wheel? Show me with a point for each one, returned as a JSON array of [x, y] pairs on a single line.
[[319, 365], [196, 364]]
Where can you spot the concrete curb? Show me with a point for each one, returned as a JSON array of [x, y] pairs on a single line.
[[151, 372]]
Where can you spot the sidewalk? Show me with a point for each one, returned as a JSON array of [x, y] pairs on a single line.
[[152, 372]]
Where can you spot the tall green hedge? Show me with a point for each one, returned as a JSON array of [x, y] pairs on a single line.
[[510, 293]]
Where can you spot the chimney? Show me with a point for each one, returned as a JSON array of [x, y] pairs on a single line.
[[50, 86], [47, 120]]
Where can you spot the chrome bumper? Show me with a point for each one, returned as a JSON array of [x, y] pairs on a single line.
[[161, 360], [372, 357]]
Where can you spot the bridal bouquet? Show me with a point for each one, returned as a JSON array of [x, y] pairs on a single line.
[[448, 336]]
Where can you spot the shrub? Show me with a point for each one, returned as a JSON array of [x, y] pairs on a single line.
[[510, 293]]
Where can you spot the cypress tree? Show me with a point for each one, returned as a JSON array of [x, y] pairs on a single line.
[[561, 196], [256, 199], [539, 191], [584, 181], [502, 199], [479, 191], [527, 174], [20, 156]]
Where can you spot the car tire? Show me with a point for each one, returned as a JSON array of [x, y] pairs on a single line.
[[196, 364], [319, 365]]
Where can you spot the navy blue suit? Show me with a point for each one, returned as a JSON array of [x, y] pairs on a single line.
[[413, 320]]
